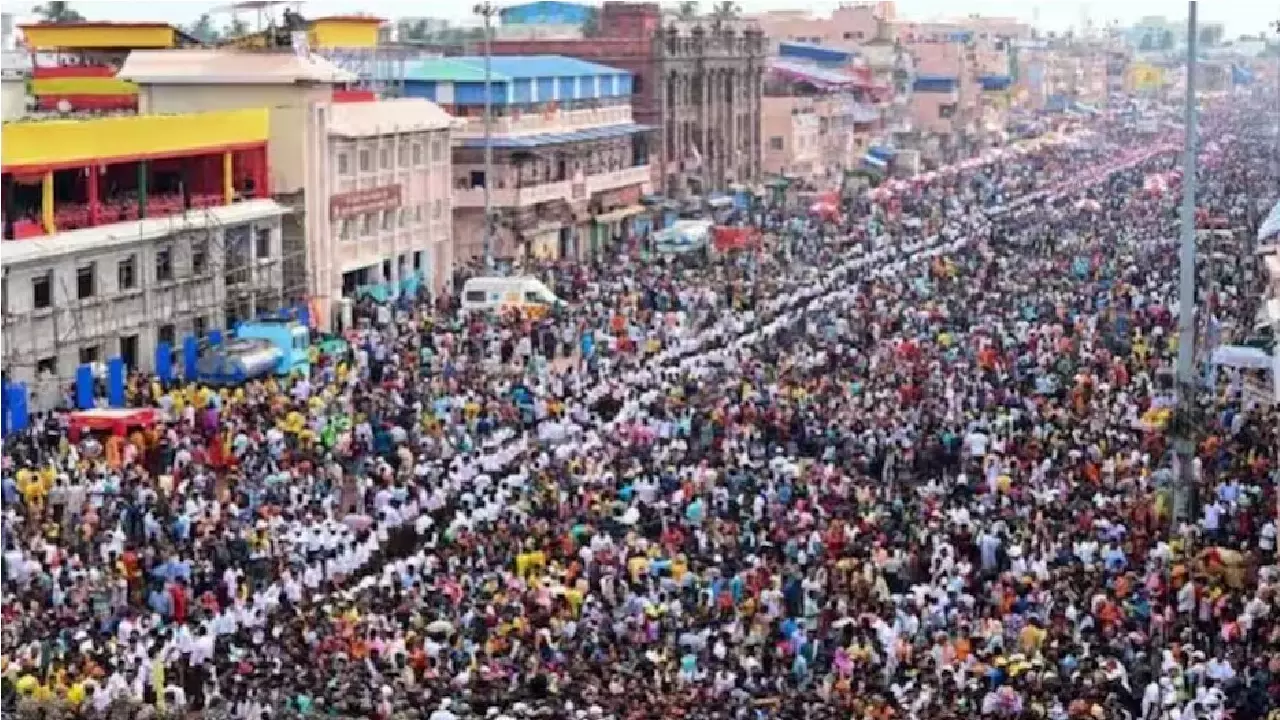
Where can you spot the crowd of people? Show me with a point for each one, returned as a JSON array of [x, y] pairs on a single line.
[[913, 467]]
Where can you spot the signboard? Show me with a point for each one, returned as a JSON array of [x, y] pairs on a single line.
[[359, 202]]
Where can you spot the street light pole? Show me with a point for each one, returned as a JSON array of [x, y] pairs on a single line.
[[1184, 443], [486, 11]]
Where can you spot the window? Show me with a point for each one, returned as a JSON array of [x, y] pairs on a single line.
[[167, 334], [402, 155], [417, 153], [384, 158], [366, 161], [475, 296], [199, 325], [848, 36], [346, 228], [386, 270], [402, 217], [534, 298], [89, 354], [775, 142], [164, 265], [417, 213], [127, 273], [129, 351], [262, 251], [477, 178], [437, 150], [41, 291], [199, 259], [344, 164], [946, 111], [437, 208], [417, 259], [86, 281], [47, 366], [388, 220], [366, 227]]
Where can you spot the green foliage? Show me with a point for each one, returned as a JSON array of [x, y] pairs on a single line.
[[57, 13]]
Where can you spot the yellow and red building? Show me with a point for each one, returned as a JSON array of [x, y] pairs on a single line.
[[74, 65], [64, 175]]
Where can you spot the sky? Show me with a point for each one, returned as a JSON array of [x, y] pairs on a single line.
[[1239, 16]]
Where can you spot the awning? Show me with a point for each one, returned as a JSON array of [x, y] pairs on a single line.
[[541, 139], [874, 162], [995, 82], [719, 201], [810, 73], [619, 214], [881, 152]]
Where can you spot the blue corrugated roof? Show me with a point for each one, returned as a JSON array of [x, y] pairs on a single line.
[[809, 51], [531, 141], [531, 66]]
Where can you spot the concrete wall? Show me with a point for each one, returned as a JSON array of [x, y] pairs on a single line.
[[151, 309], [13, 98], [789, 131], [420, 163], [288, 105]]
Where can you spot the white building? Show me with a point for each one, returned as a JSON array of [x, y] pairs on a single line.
[[391, 211], [87, 295]]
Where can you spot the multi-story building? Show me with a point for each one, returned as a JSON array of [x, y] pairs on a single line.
[[390, 207], [819, 112], [698, 82], [302, 92], [121, 234], [74, 65], [569, 163]]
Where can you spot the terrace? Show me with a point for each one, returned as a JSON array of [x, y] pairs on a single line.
[[71, 174]]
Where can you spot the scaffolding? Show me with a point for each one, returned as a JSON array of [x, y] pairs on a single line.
[[216, 279]]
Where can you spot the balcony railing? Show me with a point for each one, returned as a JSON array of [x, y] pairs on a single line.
[[551, 121], [566, 190]]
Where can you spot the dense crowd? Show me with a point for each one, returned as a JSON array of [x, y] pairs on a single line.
[[913, 467]]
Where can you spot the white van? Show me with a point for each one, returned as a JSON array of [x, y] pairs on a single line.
[[526, 293]]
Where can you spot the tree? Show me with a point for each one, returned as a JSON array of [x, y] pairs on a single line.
[[688, 10], [591, 25], [57, 13], [237, 28], [203, 29], [726, 10]]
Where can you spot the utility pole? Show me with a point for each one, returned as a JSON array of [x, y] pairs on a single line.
[[486, 10], [1184, 497]]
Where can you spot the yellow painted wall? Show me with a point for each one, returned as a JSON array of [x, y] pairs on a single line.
[[99, 35], [73, 142], [82, 86], [344, 32]]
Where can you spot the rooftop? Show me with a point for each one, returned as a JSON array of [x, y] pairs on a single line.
[[105, 237], [369, 119], [229, 67], [505, 68], [51, 144], [103, 35]]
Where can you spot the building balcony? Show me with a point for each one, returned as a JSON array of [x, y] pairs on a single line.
[[521, 123], [576, 190]]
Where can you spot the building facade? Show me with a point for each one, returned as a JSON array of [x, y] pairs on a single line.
[[698, 83], [570, 164], [819, 114], [391, 211], [123, 233], [710, 92]]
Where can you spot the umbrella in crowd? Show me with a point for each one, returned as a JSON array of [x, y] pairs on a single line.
[[908, 470]]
